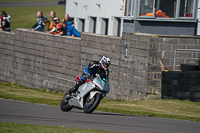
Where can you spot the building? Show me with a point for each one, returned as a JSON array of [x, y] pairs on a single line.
[[96, 16], [112, 17]]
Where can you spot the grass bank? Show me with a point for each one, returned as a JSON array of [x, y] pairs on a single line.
[[27, 128], [174, 109], [25, 17]]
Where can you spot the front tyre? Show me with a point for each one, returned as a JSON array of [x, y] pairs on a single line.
[[64, 105], [91, 104]]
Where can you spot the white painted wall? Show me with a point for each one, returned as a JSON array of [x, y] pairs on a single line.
[[198, 17], [85, 9]]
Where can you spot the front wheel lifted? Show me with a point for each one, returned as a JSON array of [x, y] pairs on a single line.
[[64, 105], [91, 104]]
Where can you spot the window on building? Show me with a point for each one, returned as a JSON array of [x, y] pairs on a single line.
[[129, 8], [163, 8], [93, 24], [104, 26], [166, 8], [186, 8], [81, 25], [117, 26], [146, 8]]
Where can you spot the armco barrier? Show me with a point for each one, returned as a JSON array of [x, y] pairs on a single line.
[[41, 60]]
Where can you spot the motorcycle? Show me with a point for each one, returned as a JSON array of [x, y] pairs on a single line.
[[88, 95]]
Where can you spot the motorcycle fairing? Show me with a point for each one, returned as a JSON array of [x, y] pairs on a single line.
[[93, 93], [82, 91], [86, 88], [102, 84]]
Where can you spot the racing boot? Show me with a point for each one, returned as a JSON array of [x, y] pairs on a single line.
[[75, 88]]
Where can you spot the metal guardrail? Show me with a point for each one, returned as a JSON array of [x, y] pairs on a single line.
[[186, 50]]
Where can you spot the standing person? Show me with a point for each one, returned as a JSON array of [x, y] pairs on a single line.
[[67, 19], [45, 23], [6, 18], [1, 23], [53, 17], [39, 26]]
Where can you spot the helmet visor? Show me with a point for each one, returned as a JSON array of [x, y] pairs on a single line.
[[106, 64]]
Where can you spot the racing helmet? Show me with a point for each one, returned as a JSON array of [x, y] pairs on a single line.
[[56, 19], [105, 62]]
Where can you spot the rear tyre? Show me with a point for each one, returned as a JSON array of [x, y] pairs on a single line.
[[64, 105], [91, 104]]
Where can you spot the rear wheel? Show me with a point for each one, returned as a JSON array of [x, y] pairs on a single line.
[[64, 105], [91, 104]]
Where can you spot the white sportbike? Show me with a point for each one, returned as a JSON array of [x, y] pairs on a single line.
[[88, 95]]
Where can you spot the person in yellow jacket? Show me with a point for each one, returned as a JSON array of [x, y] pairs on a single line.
[[53, 17]]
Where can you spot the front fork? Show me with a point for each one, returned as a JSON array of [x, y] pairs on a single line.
[[93, 93]]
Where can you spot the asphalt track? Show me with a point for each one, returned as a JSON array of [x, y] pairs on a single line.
[[28, 4], [38, 114]]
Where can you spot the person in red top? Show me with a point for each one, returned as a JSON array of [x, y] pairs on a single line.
[[57, 27], [1, 23]]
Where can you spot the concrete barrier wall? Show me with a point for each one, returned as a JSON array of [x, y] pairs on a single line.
[[40, 60]]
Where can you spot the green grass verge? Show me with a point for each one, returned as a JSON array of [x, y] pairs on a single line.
[[25, 17], [27, 128], [174, 109], [16, 92]]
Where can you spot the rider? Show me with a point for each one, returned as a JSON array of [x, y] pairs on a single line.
[[100, 67]]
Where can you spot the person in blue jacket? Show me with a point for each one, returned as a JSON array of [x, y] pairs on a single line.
[[71, 31], [39, 26]]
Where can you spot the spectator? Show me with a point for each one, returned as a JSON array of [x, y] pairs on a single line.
[[1, 23], [64, 30], [45, 23], [39, 26], [6, 18], [53, 17], [71, 31], [67, 18], [57, 27]]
